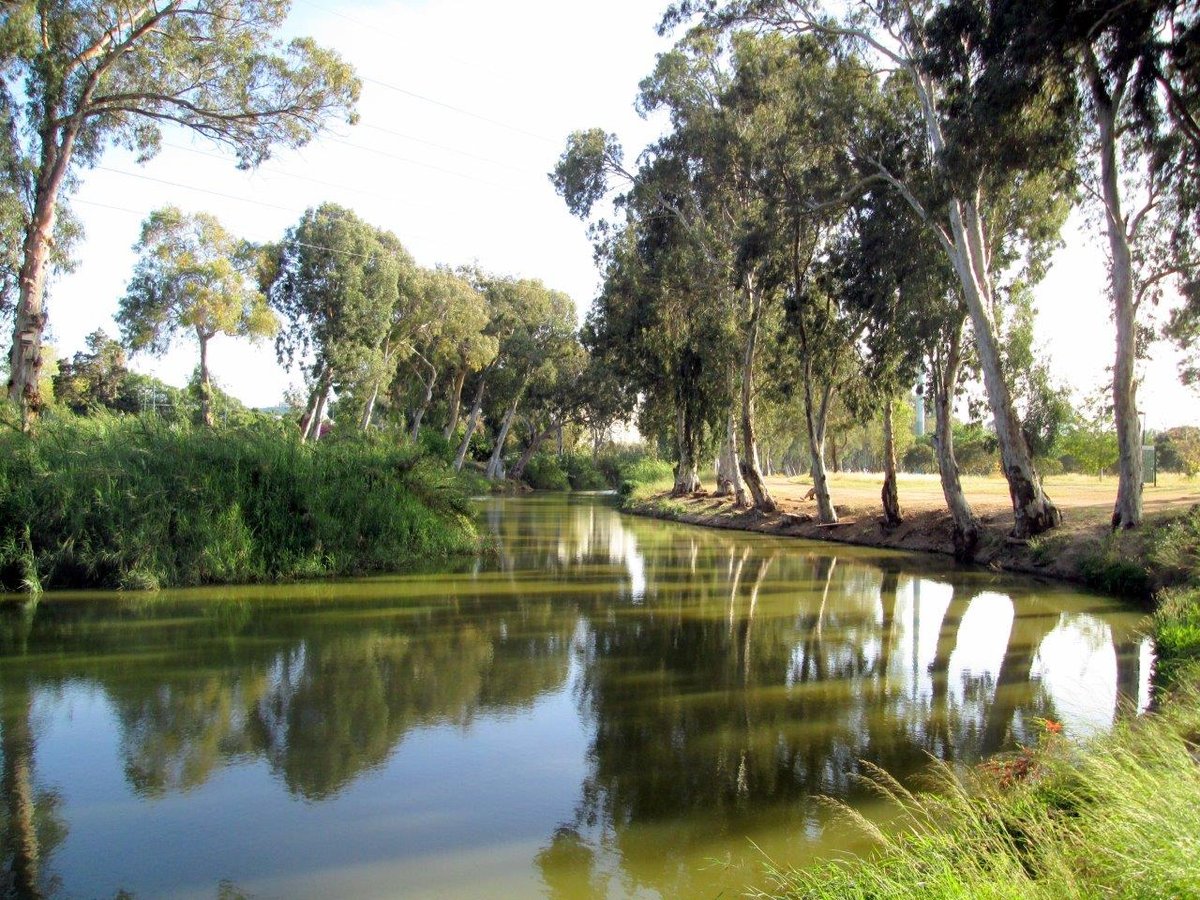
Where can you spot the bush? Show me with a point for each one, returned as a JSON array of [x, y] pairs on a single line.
[[109, 501], [545, 474], [583, 473], [919, 459], [432, 444], [1176, 548], [644, 471]]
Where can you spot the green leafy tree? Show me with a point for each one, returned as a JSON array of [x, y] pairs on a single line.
[[91, 73], [97, 376], [995, 187], [192, 276], [335, 282]]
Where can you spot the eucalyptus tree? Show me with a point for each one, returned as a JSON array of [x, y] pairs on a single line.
[[554, 399], [644, 328], [335, 283], [533, 326], [998, 177], [469, 345], [192, 276], [697, 175], [802, 105], [448, 317], [1134, 163], [90, 73]]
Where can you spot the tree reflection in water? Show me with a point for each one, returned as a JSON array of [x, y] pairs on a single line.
[[723, 683]]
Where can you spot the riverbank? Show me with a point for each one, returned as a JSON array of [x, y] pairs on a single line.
[[1130, 564], [1118, 815], [131, 502]]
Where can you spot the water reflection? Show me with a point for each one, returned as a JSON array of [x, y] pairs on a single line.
[[603, 707]]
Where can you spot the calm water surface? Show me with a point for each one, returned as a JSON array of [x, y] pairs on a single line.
[[609, 706]]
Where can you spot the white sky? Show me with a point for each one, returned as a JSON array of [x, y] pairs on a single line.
[[457, 188]]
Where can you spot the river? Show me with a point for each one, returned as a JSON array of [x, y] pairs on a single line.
[[599, 706]]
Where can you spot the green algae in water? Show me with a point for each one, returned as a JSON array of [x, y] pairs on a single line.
[[605, 706]]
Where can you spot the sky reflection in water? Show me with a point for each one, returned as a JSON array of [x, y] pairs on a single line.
[[606, 707]]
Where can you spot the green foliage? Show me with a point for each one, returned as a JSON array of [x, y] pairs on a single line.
[[1179, 450], [545, 474], [920, 459], [584, 473], [1112, 573], [111, 501], [643, 472], [1177, 636], [975, 449], [1175, 548], [1091, 445], [432, 444]]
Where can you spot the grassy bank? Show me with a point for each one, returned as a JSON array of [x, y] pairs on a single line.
[[132, 502]]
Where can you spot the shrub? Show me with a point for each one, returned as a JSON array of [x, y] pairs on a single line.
[[131, 501], [545, 474], [919, 459], [583, 473]]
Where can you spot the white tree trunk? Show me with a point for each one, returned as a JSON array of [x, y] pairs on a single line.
[[751, 471], [29, 320], [495, 464], [1127, 511], [966, 526], [472, 421], [455, 402], [814, 420]]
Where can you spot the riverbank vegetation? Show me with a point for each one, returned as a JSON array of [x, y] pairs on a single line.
[[135, 502]]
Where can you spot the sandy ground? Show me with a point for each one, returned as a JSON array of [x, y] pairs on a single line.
[[1085, 533], [1089, 499]]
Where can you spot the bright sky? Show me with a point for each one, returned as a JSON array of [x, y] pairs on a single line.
[[465, 108]]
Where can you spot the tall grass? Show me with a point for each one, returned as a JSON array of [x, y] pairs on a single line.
[[1119, 817], [133, 502]]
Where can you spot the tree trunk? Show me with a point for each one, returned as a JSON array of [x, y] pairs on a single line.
[[737, 485], [455, 402], [966, 526], [315, 431], [966, 247], [534, 445], [814, 420], [1127, 512], [892, 515], [687, 481], [206, 413], [472, 421], [425, 401], [369, 409], [1033, 512], [748, 462], [316, 405], [29, 321], [495, 464], [833, 453]]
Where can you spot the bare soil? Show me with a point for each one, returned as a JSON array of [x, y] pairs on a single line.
[[1085, 534]]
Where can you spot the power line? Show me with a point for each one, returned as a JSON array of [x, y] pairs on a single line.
[[134, 212], [429, 143], [450, 106], [464, 112], [424, 165], [281, 172], [197, 189]]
